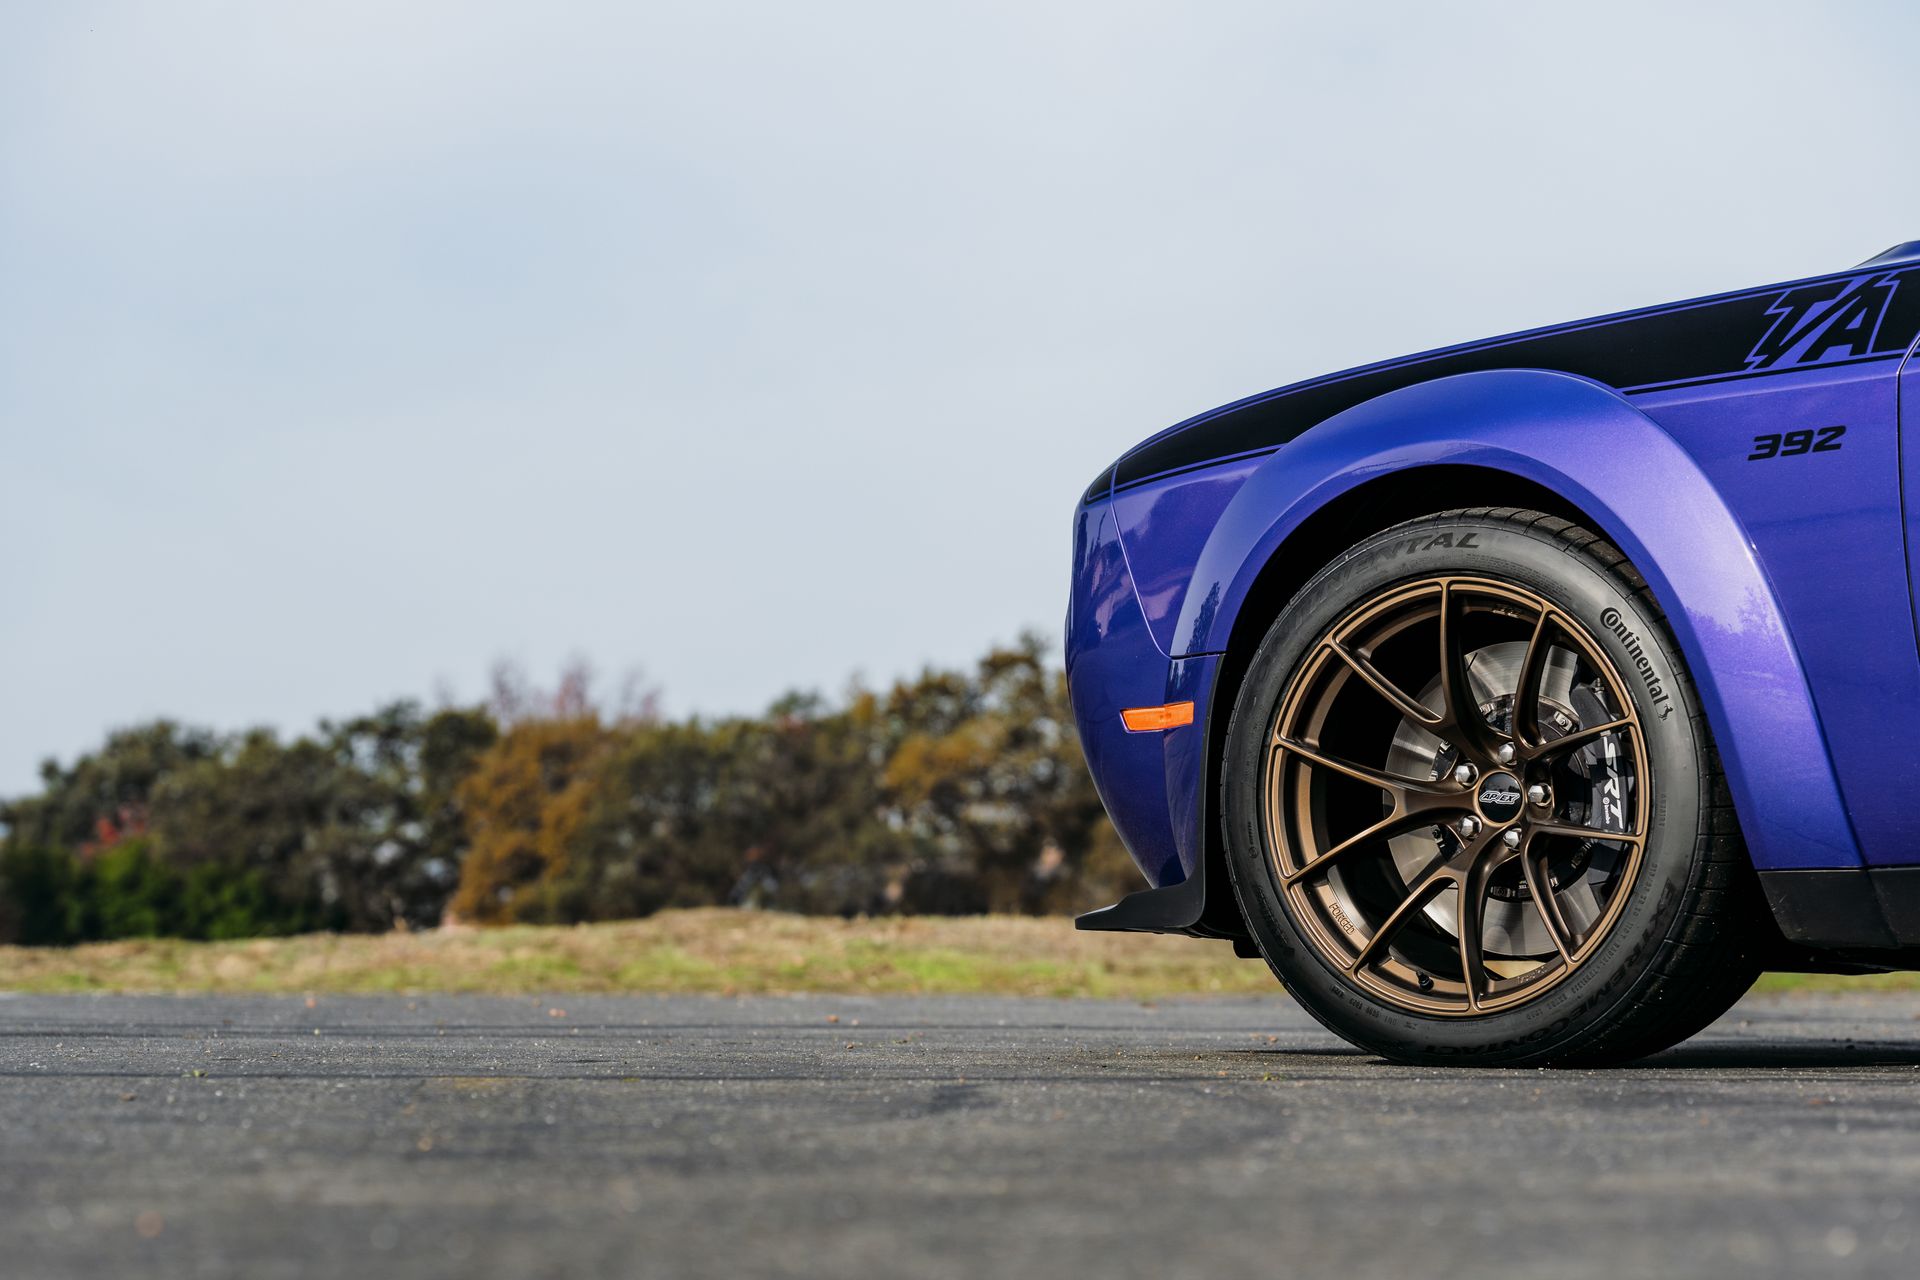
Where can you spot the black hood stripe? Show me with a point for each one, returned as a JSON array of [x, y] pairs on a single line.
[[1851, 319]]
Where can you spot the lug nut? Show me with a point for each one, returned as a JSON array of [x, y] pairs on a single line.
[[1463, 774], [1505, 753], [1537, 794], [1510, 837], [1469, 827]]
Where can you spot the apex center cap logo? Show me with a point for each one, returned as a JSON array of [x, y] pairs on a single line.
[[1499, 797]]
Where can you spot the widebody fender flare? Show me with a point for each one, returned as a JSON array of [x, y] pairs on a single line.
[[1636, 486]]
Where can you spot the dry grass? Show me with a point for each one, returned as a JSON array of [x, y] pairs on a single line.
[[707, 951], [719, 951]]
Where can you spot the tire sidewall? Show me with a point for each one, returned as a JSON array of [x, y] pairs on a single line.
[[1614, 616]]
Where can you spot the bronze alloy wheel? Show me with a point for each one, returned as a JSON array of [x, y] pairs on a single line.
[[1456, 795]]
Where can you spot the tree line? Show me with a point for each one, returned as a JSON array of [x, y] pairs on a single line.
[[957, 791]]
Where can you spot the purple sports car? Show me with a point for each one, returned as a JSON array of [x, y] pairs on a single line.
[[1521, 701]]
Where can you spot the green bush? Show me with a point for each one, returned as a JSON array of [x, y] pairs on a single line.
[[49, 897], [38, 902]]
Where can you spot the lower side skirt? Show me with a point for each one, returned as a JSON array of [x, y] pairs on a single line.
[[1874, 911]]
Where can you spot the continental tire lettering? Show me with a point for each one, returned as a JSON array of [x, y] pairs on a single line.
[[1428, 542], [1643, 665]]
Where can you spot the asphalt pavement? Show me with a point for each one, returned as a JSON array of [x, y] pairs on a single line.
[[464, 1137]]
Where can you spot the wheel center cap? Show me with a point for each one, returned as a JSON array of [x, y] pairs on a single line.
[[1500, 798]]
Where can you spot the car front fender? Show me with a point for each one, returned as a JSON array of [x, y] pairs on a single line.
[[1636, 486]]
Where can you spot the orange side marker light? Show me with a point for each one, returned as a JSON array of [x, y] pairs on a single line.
[[1150, 719]]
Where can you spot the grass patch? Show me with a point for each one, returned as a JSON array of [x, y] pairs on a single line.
[[1777, 983], [710, 951], [705, 951]]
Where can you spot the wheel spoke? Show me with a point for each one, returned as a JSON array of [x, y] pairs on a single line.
[[1568, 743], [1573, 831], [1402, 701], [1425, 888], [1410, 795], [1460, 714], [1526, 692], [1471, 918], [1473, 963], [1544, 900], [1393, 824]]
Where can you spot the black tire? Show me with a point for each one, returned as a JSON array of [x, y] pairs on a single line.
[[1685, 941]]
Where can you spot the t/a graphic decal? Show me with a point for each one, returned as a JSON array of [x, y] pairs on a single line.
[[1825, 321]]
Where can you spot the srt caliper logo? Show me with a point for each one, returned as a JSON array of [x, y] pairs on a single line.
[[1817, 321]]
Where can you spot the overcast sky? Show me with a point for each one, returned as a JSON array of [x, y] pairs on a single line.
[[346, 348]]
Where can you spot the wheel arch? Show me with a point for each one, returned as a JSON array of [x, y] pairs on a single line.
[[1371, 507]]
